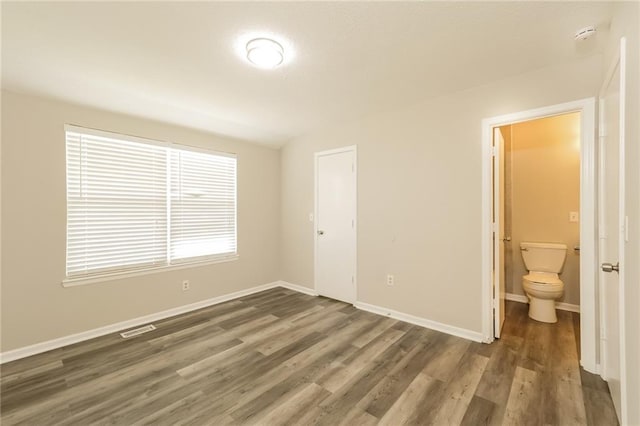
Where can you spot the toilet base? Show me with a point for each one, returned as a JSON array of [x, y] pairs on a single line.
[[543, 310]]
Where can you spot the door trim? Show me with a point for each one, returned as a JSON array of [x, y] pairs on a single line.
[[316, 157], [588, 237]]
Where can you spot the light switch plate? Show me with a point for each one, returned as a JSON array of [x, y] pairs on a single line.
[[573, 216]]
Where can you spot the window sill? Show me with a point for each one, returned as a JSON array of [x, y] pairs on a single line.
[[94, 279]]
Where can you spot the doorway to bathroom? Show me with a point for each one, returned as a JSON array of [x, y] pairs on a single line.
[[539, 186], [539, 199]]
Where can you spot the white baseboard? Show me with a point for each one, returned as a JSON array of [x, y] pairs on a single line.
[[596, 370], [422, 322], [568, 307], [38, 348], [559, 305], [117, 327], [516, 297], [296, 287]]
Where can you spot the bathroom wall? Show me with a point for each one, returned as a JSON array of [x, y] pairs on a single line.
[[545, 177]]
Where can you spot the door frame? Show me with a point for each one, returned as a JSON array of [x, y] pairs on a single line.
[[588, 236], [316, 158], [618, 64], [499, 250]]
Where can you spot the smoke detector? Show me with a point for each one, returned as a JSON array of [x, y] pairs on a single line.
[[584, 33]]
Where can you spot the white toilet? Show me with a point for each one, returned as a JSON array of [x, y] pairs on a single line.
[[544, 261]]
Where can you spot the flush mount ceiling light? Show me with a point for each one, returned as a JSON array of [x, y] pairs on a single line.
[[265, 53]]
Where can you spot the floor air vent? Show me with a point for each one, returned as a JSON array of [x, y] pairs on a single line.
[[137, 331]]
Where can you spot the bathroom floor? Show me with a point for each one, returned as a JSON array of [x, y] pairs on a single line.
[[281, 357], [534, 368]]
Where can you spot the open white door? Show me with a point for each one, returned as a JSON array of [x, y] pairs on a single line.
[[335, 239], [498, 234], [612, 230]]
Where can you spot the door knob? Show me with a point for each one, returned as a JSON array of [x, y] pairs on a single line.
[[320, 232], [608, 267], [506, 239]]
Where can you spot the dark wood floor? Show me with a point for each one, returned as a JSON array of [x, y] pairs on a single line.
[[280, 357]]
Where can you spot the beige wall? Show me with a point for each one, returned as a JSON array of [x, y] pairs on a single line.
[[626, 22], [419, 193], [35, 306], [545, 188]]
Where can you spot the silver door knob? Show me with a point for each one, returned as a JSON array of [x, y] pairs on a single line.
[[320, 232], [609, 267]]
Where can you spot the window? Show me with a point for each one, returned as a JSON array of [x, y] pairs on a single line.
[[135, 204]]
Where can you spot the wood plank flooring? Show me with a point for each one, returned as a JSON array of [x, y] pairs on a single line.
[[280, 357]]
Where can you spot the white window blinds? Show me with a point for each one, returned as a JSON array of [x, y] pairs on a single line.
[[137, 204], [203, 205], [116, 208]]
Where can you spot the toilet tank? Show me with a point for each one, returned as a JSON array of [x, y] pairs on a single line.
[[543, 257]]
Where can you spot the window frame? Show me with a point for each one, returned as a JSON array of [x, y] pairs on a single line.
[[127, 272]]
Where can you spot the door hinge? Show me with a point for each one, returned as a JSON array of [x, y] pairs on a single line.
[[493, 151], [353, 223], [353, 279]]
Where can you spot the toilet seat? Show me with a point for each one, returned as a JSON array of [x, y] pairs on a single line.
[[542, 283], [539, 289], [542, 278]]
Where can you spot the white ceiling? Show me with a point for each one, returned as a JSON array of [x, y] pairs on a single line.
[[178, 62]]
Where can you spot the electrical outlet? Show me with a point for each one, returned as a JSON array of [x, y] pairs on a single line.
[[390, 280], [573, 216], [185, 285]]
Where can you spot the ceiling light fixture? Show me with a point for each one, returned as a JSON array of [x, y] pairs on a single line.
[[265, 53]]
